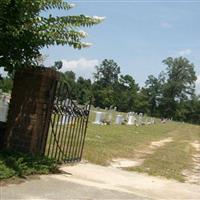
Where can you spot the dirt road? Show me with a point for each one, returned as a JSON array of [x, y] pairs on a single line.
[[88, 181]]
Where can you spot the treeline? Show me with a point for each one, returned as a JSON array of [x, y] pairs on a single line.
[[170, 95]]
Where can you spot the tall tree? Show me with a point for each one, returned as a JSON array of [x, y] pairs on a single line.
[[125, 93], [107, 74], [83, 90], [153, 87], [180, 84], [69, 77], [24, 30]]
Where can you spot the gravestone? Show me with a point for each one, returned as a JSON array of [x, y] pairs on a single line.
[[100, 116], [119, 119], [110, 117], [130, 120], [140, 119]]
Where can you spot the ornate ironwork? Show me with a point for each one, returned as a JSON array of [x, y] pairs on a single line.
[[68, 126]]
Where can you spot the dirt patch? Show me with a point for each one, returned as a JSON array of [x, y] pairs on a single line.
[[160, 143], [120, 162], [140, 155], [193, 175]]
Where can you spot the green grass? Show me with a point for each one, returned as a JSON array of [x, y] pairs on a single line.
[[15, 164], [103, 143], [170, 160]]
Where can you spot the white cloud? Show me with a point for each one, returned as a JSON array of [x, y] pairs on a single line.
[[166, 25], [198, 84], [185, 52], [82, 67]]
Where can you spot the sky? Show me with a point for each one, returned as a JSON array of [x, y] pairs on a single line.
[[138, 35]]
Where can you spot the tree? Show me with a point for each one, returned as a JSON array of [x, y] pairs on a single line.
[[179, 86], [141, 102], [125, 93], [24, 31], [153, 87], [69, 77], [189, 111], [107, 72], [57, 65], [83, 90]]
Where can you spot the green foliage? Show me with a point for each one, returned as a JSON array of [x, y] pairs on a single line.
[[69, 77], [125, 93], [153, 92], [112, 89], [179, 85], [19, 164], [57, 65], [24, 30], [6, 84], [168, 95], [107, 72], [83, 90]]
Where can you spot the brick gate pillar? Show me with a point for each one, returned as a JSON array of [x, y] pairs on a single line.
[[30, 110]]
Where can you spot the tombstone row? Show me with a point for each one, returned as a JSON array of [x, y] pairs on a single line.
[[132, 118]]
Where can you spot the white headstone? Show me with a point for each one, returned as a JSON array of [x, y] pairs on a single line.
[[131, 120], [140, 119], [119, 119], [110, 117], [99, 118]]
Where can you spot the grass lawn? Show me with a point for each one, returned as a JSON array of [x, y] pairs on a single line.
[[103, 143]]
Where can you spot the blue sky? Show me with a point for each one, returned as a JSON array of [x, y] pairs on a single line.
[[138, 35]]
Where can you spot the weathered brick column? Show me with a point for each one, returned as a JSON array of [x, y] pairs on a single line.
[[30, 110]]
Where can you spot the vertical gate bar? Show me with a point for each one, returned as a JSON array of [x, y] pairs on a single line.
[[73, 146], [69, 137], [77, 136], [59, 129], [53, 123], [67, 131], [56, 122], [72, 139], [63, 129], [51, 136], [85, 128], [59, 123], [80, 137], [57, 139], [63, 139]]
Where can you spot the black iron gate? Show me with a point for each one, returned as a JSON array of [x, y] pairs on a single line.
[[67, 128]]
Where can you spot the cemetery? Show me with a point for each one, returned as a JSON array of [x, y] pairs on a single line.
[[107, 117], [84, 122]]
